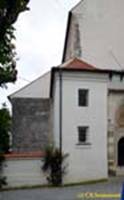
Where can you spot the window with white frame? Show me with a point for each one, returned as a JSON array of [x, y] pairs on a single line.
[[83, 132], [83, 95]]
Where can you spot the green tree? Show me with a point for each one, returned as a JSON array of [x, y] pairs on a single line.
[[5, 128], [9, 12]]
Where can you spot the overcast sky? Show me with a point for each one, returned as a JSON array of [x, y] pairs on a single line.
[[40, 35]]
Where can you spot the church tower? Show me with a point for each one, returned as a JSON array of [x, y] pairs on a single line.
[[95, 33]]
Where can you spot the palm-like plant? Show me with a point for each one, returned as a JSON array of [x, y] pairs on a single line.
[[53, 165]]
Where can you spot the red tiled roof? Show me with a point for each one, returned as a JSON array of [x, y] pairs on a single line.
[[14, 155], [76, 63]]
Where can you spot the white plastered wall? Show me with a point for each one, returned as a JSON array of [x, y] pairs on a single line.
[[24, 172], [85, 162]]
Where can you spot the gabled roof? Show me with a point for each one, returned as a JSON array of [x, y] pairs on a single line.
[[39, 88], [76, 63]]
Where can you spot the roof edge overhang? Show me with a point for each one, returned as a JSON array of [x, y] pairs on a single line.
[[109, 72]]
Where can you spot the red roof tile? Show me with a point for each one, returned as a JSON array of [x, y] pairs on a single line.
[[14, 155], [76, 63]]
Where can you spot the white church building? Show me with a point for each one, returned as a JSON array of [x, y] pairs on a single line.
[[91, 103], [84, 112]]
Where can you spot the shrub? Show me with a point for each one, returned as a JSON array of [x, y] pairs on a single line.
[[2, 178], [53, 165], [5, 125]]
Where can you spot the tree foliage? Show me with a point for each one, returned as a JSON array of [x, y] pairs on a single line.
[[2, 178], [9, 12], [5, 126]]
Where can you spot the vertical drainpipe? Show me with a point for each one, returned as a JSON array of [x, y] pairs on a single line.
[[60, 116]]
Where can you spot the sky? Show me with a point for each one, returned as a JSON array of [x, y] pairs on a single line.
[[40, 35]]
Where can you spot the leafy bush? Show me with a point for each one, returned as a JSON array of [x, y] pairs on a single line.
[[5, 124], [2, 178], [53, 165]]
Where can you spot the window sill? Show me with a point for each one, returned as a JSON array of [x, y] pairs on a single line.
[[83, 144], [83, 106]]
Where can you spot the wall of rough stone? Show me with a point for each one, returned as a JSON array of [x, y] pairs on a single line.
[[115, 128], [30, 129]]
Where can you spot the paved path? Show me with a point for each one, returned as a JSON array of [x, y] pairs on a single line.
[[114, 185]]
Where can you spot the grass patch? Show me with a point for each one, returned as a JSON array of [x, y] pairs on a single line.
[[85, 182], [50, 186]]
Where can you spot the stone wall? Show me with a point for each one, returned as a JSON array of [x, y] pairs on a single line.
[[30, 129], [115, 127]]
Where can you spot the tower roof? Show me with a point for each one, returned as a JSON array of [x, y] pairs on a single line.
[[77, 63]]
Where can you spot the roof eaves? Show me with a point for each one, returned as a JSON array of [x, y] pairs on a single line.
[[100, 71]]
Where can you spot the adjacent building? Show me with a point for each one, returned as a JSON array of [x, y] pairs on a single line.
[[79, 105]]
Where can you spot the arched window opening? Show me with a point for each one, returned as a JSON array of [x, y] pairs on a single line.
[[121, 152]]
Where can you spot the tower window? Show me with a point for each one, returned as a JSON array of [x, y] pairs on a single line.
[[83, 134], [83, 97]]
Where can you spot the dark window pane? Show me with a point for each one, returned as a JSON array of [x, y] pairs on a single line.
[[83, 97], [82, 134]]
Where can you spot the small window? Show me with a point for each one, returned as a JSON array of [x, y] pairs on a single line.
[[83, 134], [83, 97]]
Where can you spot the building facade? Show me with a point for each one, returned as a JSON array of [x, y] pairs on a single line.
[[92, 119], [83, 103], [31, 116]]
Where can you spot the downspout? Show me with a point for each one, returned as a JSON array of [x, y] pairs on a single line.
[[60, 119]]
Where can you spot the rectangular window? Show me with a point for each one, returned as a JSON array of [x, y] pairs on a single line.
[[83, 134], [83, 97]]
